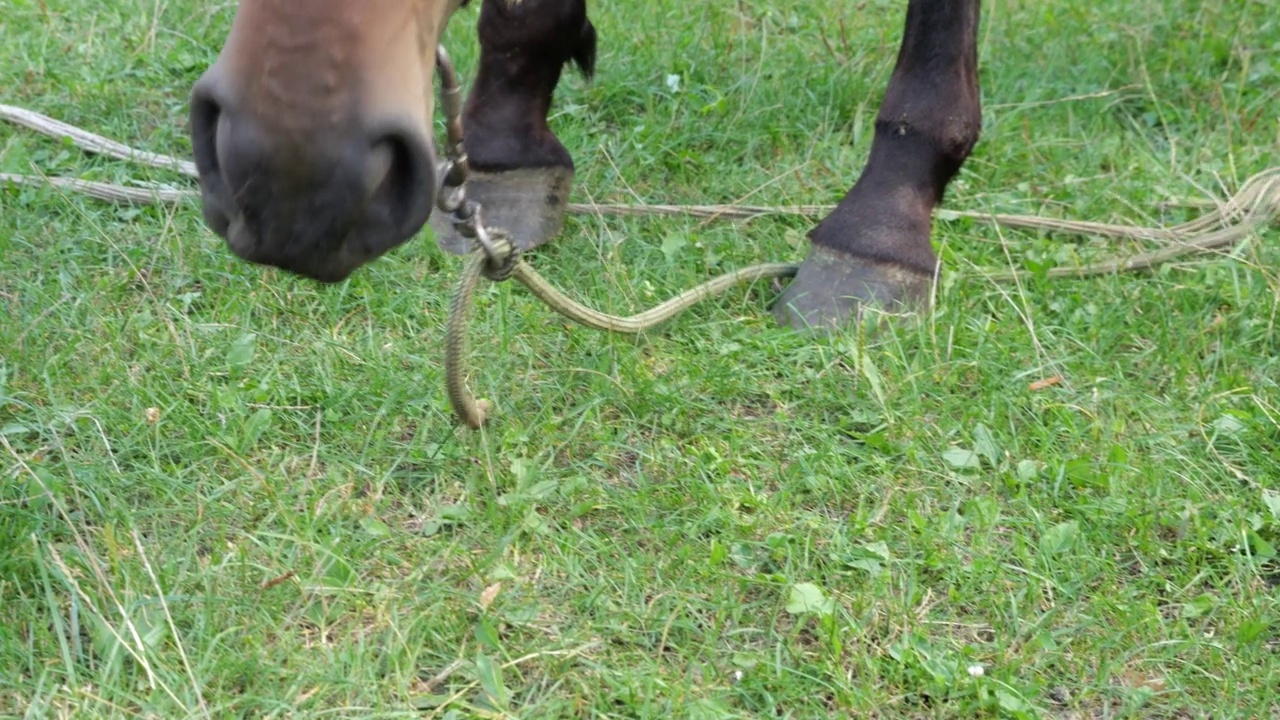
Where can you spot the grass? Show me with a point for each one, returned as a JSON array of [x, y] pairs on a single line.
[[228, 492]]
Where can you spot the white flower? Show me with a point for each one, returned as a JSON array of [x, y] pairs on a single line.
[[976, 670]]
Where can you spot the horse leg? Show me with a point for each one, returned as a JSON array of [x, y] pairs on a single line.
[[521, 173], [874, 248]]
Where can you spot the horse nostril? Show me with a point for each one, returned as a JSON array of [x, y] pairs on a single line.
[[205, 113], [377, 173], [400, 180]]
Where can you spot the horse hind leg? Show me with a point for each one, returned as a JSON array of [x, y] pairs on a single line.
[[874, 248], [521, 173]]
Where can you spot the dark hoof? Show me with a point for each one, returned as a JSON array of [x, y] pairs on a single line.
[[833, 289], [528, 203]]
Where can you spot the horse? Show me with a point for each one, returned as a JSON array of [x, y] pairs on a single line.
[[311, 133]]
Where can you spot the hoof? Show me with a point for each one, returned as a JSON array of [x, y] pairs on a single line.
[[529, 204], [833, 289]]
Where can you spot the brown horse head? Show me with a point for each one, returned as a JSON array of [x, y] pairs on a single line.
[[312, 130]]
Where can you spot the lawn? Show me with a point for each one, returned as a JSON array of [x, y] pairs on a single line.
[[226, 491]]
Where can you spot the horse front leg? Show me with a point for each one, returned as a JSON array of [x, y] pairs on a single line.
[[874, 249], [521, 173]]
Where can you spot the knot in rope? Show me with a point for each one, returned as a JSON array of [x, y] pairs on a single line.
[[500, 254]]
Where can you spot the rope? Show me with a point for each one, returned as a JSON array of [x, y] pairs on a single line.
[[579, 313], [91, 142], [1255, 204], [472, 411]]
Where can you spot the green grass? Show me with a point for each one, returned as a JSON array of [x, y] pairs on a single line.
[[226, 491]]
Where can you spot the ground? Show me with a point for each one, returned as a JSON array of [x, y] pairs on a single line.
[[227, 491]]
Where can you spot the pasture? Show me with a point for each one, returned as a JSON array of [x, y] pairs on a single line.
[[225, 491]]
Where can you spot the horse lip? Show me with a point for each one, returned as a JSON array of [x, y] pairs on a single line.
[[246, 246]]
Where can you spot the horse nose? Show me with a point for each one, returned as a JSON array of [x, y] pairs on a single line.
[[316, 198]]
